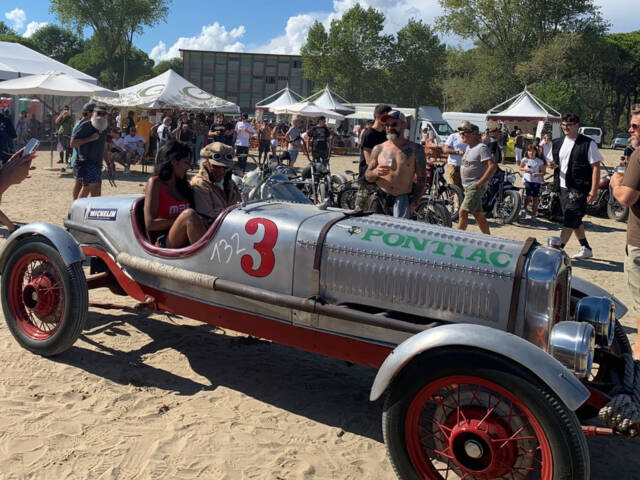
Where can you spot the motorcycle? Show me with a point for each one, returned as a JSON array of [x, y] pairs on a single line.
[[271, 180], [320, 185], [438, 187], [502, 199], [549, 202], [605, 202]]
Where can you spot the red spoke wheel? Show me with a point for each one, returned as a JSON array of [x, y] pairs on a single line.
[[459, 413], [44, 300]]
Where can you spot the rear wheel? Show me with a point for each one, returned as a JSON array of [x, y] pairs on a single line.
[[464, 413], [347, 198], [45, 302], [433, 212], [507, 210]]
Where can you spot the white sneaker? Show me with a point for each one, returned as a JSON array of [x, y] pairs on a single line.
[[583, 253], [126, 170]]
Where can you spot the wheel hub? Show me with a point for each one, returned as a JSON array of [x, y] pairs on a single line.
[[478, 443], [40, 296]]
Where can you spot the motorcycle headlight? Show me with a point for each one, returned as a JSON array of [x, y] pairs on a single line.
[[599, 312]]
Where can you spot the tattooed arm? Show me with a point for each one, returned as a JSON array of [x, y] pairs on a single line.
[[421, 173], [374, 170]]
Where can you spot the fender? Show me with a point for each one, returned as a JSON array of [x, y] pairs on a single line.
[[589, 289], [62, 240], [570, 390]]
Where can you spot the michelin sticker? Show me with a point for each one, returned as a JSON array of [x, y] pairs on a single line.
[[102, 214]]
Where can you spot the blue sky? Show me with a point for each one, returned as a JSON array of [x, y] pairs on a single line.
[[253, 26]]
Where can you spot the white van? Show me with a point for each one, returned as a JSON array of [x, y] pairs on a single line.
[[592, 132]]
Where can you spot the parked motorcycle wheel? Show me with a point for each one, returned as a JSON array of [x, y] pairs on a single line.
[[452, 195], [508, 209], [617, 211], [347, 198], [432, 212]]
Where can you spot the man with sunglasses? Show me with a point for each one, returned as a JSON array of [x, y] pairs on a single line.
[[626, 189], [393, 165], [576, 161], [213, 188], [90, 139]]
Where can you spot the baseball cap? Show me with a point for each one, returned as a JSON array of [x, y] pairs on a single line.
[[88, 107], [468, 127], [395, 114]]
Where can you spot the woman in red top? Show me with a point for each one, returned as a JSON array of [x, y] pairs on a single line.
[[169, 216]]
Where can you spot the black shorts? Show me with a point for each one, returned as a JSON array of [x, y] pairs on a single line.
[[532, 189], [264, 146], [574, 207]]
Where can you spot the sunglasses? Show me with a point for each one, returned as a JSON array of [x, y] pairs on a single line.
[[634, 126], [220, 156], [392, 124]]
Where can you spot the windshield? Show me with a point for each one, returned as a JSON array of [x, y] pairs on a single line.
[[591, 131], [442, 128]]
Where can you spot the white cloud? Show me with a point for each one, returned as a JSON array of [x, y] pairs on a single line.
[[33, 27], [212, 37], [295, 36], [17, 17]]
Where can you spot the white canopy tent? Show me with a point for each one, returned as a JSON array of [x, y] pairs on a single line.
[[53, 83], [307, 109], [169, 90], [16, 61], [331, 101], [281, 98], [526, 111]]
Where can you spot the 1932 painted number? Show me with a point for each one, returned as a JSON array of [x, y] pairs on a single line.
[[264, 247]]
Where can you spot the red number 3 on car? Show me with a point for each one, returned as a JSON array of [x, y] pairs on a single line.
[[264, 247]]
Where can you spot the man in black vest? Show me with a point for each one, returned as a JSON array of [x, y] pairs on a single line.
[[576, 161]]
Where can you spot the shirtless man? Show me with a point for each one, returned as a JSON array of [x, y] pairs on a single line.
[[394, 163]]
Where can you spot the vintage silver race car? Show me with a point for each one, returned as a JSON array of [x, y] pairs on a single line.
[[487, 350]]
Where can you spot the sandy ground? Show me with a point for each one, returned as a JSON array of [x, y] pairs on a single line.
[[167, 397]]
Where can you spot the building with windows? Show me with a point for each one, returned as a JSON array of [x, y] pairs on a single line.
[[244, 78]]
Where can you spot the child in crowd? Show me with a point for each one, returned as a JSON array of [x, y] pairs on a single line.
[[534, 170], [140, 150]]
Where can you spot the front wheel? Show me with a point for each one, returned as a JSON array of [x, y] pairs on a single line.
[[464, 413], [616, 211], [347, 197], [452, 195], [432, 212], [45, 302], [507, 210]]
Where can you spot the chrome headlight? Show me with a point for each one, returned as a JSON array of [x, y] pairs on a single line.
[[572, 344], [601, 313]]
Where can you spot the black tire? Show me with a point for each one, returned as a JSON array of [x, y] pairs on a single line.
[[452, 195], [477, 381], [507, 210], [347, 198], [616, 211], [432, 212], [45, 302]]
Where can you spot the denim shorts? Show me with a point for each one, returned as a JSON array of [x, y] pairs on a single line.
[[89, 173], [532, 189]]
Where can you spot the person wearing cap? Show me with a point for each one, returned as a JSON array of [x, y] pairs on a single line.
[[320, 138], [393, 165], [90, 139], [294, 141], [64, 121], [492, 141], [455, 148], [243, 132], [213, 188], [476, 170]]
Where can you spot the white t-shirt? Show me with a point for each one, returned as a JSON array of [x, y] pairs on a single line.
[[163, 133], [455, 141], [565, 152], [533, 164], [131, 142], [243, 133]]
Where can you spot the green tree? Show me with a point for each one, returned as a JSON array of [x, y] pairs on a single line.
[[6, 29], [175, 64], [114, 25], [316, 59], [419, 59], [58, 43]]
